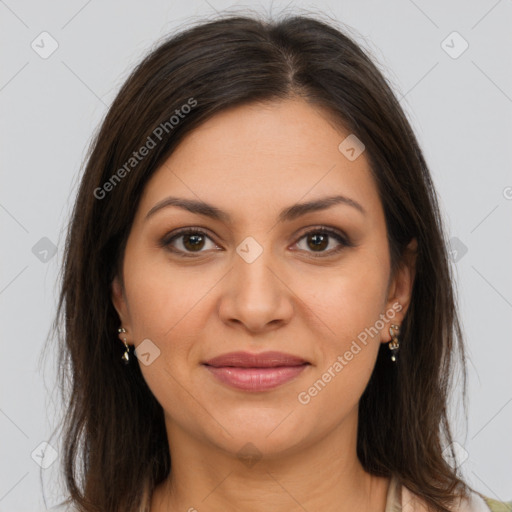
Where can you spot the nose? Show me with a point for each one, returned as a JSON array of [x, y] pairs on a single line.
[[255, 295]]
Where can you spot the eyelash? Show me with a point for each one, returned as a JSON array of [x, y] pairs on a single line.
[[166, 241]]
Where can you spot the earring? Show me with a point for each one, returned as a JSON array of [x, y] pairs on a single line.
[[126, 356], [394, 345]]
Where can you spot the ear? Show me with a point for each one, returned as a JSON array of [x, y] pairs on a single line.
[[119, 301], [400, 288]]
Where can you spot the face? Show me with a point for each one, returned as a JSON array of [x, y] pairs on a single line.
[[261, 275]]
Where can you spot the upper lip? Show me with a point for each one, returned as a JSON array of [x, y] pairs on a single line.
[[261, 360]]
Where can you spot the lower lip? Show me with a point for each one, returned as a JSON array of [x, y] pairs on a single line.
[[256, 379]]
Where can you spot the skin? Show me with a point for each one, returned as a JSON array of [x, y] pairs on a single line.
[[253, 161]]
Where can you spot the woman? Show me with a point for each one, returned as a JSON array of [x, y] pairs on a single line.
[[258, 306]]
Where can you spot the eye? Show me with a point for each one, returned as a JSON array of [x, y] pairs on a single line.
[[187, 241], [192, 241], [317, 239]]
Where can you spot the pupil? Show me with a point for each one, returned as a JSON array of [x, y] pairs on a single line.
[[320, 241], [195, 243]]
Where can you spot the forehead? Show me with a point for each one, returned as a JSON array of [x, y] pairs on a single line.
[[262, 155]]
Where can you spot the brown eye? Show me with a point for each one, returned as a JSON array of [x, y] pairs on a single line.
[[193, 242], [317, 240], [187, 241]]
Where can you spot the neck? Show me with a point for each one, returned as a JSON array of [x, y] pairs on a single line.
[[322, 475]]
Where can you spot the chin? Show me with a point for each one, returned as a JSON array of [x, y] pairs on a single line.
[[267, 437]]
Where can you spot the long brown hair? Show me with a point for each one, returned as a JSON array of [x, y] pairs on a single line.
[[114, 437]]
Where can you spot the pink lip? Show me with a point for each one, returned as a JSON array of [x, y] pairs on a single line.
[[261, 360], [256, 379], [256, 372]]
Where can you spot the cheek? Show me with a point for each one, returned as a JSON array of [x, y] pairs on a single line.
[[171, 307], [348, 347], [167, 307], [163, 299], [349, 307], [350, 299]]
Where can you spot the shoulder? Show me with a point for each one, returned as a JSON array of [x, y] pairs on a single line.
[[475, 502], [497, 506], [478, 502]]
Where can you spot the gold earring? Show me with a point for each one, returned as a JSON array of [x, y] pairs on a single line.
[[394, 345], [126, 356]]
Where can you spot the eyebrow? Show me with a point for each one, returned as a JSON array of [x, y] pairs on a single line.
[[288, 214]]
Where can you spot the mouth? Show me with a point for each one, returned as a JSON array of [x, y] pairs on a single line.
[[258, 360], [255, 379], [255, 372]]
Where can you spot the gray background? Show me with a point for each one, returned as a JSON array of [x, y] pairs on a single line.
[[459, 107]]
